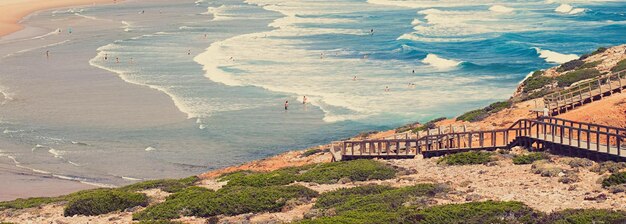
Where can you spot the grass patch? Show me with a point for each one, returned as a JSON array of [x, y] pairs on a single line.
[[467, 158], [201, 202], [530, 158], [584, 216], [167, 185], [324, 173], [621, 65], [575, 76], [102, 201], [159, 222], [480, 114], [615, 179], [474, 212]]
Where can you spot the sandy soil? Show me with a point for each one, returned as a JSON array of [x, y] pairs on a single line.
[[12, 11]]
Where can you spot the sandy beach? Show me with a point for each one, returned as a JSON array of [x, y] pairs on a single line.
[[12, 11]]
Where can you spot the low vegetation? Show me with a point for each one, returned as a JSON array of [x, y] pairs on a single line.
[[481, 114], [608, 166], [615, 179], [201, 202], [103, 201], [324, 173], [529, 158], [600, 50], [536, 81], [167, 185], [429, 125], [570, 65], [467, 158], [621, 65], [570, 78], [474, 212], [583, 216], [311, 152]]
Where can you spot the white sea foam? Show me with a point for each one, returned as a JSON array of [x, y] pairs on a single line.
[[568, 9], [501, 9], [440, 63], [564, 8], [126, 26], [149, 149], [131, 178], [555, 57], [57, 154]]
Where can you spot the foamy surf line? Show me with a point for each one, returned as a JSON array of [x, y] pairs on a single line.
[[58, 176], [554, 57], [177, 102]]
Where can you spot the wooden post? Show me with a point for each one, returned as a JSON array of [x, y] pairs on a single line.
[[600, 87]]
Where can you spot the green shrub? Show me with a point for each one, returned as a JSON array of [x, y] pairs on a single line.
[[621, 65], [474, 212], [473, 116], [591, 64], [577, 162], [529, 158], [351, 217], [357, 170], [466, 158], [324, 173], [159, 222], [615, 179], [479, 115], [374, 198], [429, 125], [102, 201], [584, 216], [29, 203], [536, 81], [598, 51], [311, 152], [575, 76], [201, 202], [167, 185], [570, 65]]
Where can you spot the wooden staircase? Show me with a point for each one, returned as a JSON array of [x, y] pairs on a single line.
[[547, 133]]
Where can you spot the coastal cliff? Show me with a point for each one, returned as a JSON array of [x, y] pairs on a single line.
[[510, 186]]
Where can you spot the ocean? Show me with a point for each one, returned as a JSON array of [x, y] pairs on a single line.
[[230, 65]]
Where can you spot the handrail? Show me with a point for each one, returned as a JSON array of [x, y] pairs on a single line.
[[560, 131]]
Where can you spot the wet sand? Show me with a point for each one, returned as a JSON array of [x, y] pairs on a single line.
[[64, 90], [12, 11]]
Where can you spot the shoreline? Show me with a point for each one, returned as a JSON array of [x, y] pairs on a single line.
[[13, 12]]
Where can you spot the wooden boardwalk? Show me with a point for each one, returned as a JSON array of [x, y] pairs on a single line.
[[554, 134], [585, 92]]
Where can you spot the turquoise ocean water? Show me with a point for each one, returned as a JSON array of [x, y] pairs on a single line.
[[229, 65]]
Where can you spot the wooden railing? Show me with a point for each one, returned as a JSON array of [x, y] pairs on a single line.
[[546, 133], [585, 92]]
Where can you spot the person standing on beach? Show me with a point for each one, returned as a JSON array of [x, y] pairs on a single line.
[[287, 105]]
